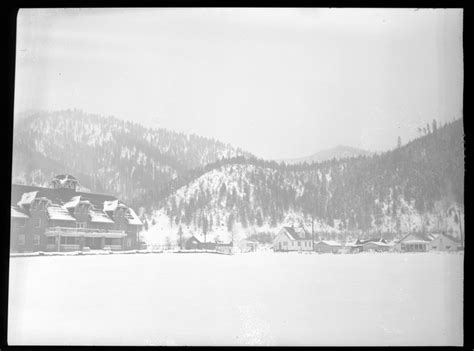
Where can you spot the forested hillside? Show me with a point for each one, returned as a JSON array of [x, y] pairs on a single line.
[[106, 154], [415, 187]]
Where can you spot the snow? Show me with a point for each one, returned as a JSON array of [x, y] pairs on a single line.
[[329, 243], [73, 202], [98, 216], [247, 299], [27, 198], [133, 218], [59, 213], [110, 205], [14, 213]]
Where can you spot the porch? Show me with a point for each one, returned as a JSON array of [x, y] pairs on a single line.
[[74, 239]]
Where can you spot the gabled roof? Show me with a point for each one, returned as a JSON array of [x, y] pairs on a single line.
[[99, 216], [329, 243], [27, 198], [194, 239], [456, 240], [73, 202], [297, 233], [59, 213], [16, 212], [59, 196], [132, 217], [419, 238]]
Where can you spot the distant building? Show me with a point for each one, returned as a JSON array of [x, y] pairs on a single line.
[[62, 219], [374, 244], [327, 246], [293, 239], [193, 243], [444, 242], [248, 245], [414, 242]]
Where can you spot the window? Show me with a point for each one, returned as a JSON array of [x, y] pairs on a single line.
[[80, 224], [448, 247], [21, 239], [37, 222], [51, 240], [36, 239], [21, 223], [299, 243], [129, 242], [434, 247], [68, 240]]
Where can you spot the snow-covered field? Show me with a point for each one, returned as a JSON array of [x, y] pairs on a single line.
[[248, 299]]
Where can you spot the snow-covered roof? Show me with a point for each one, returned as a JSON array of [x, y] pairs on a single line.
[[16, 213], [98, 216], [59, 213], [133, 218], [416, 242], [352, 244], [73, 202], [378, 243], [297, 233], [110, 205], [329, 243], [27, 198]]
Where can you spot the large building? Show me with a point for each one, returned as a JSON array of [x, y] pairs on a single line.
[[60, 218]]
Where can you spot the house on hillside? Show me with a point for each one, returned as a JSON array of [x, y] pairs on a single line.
[[59, 218], [414, 242], [327, 246], [293, 239], [445, 242]]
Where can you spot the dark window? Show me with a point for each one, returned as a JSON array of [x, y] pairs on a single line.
[[51, 240], [37, 222], [448, 247]]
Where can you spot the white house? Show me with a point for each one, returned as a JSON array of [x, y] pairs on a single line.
[[293, 239], [444, 242]]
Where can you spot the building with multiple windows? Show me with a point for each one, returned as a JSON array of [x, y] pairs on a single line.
[[60, 218]]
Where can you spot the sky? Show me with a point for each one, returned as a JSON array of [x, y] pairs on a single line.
[[279, 83]]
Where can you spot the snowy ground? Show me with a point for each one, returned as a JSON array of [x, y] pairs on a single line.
[[248, 299]]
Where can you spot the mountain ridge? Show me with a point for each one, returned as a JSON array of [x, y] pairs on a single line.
[[337, 152]]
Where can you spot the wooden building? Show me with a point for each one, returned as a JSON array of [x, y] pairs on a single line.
[[445, 242], [327, 246], [60, 218], [414, 242], [293, 239]]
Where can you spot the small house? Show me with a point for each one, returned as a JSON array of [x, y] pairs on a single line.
[[413, 242], [327, 246], [445, 242], [193, 243], [293, 239], [373, 245]]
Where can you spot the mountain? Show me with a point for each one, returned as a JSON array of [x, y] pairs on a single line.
[[107, 154], [338, 152], [204, 186], [415, 187]]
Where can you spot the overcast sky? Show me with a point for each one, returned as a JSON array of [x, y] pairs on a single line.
[[279, 83]]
